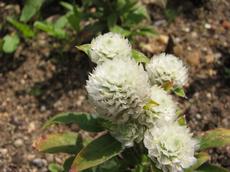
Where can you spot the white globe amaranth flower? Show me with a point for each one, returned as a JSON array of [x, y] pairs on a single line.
[[119, 89], [164, 108], [170, 146], [128, 133], [109, 46], [164, 68]]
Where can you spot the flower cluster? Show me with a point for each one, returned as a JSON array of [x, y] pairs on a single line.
[[167, 68], [109, 46], [134, 101]]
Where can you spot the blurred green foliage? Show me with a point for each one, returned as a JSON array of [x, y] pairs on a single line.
[[82, 18]]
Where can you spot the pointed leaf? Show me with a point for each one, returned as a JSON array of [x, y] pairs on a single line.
[[50, 29], [30, 9], [139, 57], [181, 120], [97, 152], [215, 138], [24, 28], [85, 48], [85, 121], [61, 142], [211, 168], [150, 104], [202, 157], [179, 92]]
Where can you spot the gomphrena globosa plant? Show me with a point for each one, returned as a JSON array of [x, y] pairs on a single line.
[[135, 115]]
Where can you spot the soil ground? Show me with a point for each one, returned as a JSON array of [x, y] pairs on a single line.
[[39, 81]]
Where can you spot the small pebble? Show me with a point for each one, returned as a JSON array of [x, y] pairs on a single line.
[[43, 108], [198, 116], [39, 162], [18, 142], [3, 151], [207, 26], [30, 157]]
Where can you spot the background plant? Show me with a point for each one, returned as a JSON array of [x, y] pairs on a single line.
[[83, 19]]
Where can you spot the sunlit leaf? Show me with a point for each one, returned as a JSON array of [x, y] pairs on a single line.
[[181, 120], [10, 43], [151, 103], [179, 92], [30, 8], [96, 152], [24, 28], [85, 48], [62, 142], [85, 121], [50, 29], [215, 138], [139, 57]]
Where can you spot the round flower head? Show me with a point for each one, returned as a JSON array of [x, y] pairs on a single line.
[[109, 46], [128, 133], [165, 68], [161, 107], [118, 88], [171, 146]]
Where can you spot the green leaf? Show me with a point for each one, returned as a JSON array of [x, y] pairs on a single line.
[[51, 30], [85, 48], [179, 92], [120, 30], [151, 103], [61, 22], [112, 20], [181, 120], [53, 167], [10, 43], [211, 168], [134, 15], [68, 162], [146, 31], [202, 157], [62, 142], [215, 138], [30, 9], [67, 5], [24, 28], [139, 57], [85, 121], [97, 152]]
